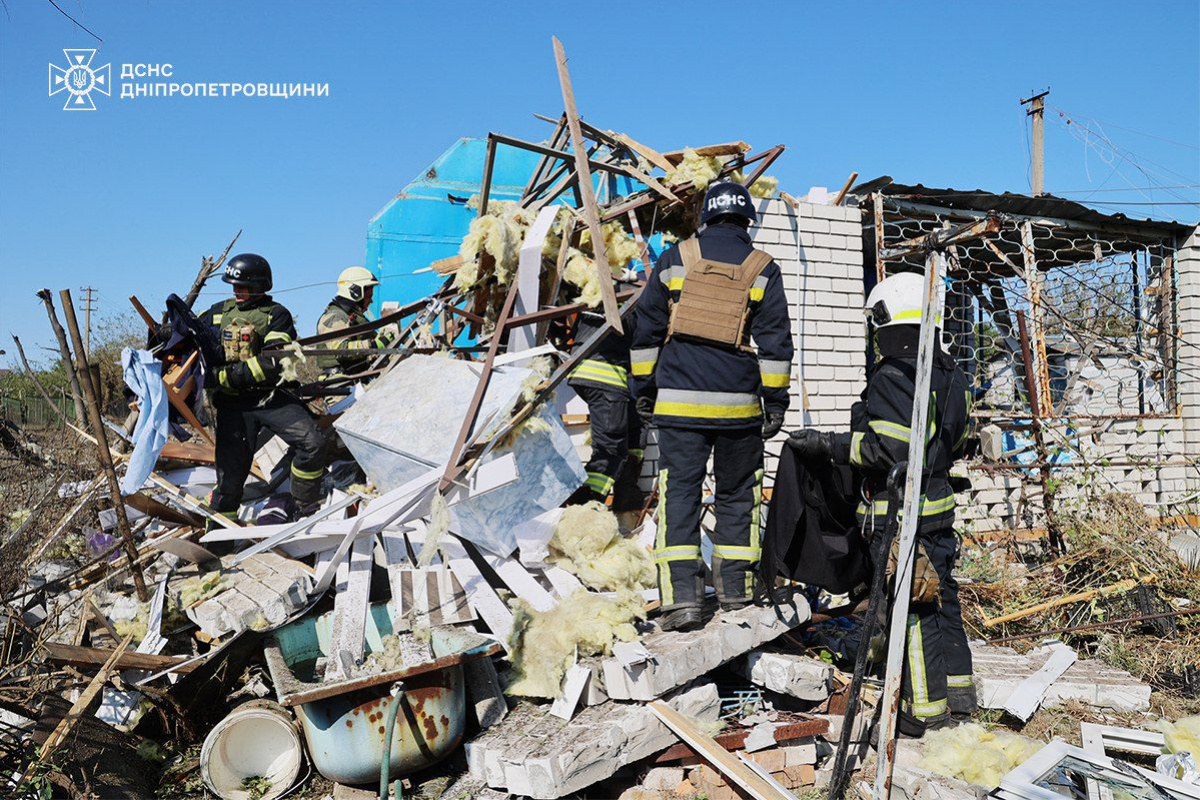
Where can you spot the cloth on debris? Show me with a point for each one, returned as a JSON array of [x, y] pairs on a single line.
[[737, 466], [143, 375], [811, 534], [974, 754], [1182, 736]]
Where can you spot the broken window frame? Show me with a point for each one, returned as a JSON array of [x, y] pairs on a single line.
[[1021, 782]]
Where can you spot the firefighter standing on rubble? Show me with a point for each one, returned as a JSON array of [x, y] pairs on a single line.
[[348, 308], [618, 433], [250, 395], [710, 393], [937, 677]]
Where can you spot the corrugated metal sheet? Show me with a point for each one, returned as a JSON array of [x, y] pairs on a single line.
[[1010, 203]]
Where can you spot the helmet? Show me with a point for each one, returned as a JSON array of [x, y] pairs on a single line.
[[898, 300], [250, 270], [727, 198], [353, 282]]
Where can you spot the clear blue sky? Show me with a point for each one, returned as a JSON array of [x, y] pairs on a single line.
[[127, 198]]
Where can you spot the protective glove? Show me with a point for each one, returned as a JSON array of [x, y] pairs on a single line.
[[385, 336], [772, 423], [645, 408], [811, 445]]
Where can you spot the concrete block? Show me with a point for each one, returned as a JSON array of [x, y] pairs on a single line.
[[773, 760], [678, 657], [796, 755], [999, 670], [665, 779], [798, 776], [787, 673]]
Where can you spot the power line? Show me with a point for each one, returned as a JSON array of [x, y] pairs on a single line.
[[1148, 135], [77, 22], [1138, 188]]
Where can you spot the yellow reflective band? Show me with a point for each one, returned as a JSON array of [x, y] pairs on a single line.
[[600, 372], [856, 440], [217, 319], [637, 453], [675, 284], [890, 430], [959, 681], [934, 708], [223, 378], [599, 483], [275, 336], [756, 510], [733, 553], [916, 661], [257, 369], [929, 508], [773, 380], [666, 592], [756, 294], [913, 314], [681, 553], [307, 475], [642, 368], [702, 411]]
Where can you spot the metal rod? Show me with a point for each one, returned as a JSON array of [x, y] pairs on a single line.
[[97, 423], [1095, 625]]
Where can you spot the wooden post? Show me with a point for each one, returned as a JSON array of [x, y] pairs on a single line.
[[1053, 534], [1036, 110], [97, 422], [65, 350], [612, 314]]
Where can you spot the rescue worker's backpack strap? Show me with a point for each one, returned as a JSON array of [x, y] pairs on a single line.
[[714, 302]]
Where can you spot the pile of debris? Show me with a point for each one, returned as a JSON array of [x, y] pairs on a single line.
[[444, 613]]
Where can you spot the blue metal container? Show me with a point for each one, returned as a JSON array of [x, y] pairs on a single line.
[[429, 218]]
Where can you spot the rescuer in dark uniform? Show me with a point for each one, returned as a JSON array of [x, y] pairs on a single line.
[[248, 391], [348, 308], [710, 393], [937, 675], [618, 433]]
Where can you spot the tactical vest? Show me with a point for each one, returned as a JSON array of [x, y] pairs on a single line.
[[242, 332], [336, 318], [715, 297]]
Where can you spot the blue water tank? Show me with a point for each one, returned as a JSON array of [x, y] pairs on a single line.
[[429, 218]]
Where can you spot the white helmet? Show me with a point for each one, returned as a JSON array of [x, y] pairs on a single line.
[[353, 282], [898, 300]]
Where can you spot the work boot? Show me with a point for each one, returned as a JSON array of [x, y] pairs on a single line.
[[735, 604], [962, 701], [681, 619]]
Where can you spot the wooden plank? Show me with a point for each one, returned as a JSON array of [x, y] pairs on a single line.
[[734, 770], [78, 656], [85, 699], [726, 149], [590, 211], [350, 609], [483, 597], [649, 153]]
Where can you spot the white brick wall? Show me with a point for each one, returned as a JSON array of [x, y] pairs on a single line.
[[1187, 280]]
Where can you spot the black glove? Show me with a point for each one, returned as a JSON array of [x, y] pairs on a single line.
[[811, 445], [772, 423], [645, 408]]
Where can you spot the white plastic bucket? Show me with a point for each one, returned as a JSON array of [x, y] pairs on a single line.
[[257, 739]]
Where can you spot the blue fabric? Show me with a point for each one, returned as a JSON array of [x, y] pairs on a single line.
[[143, 375]]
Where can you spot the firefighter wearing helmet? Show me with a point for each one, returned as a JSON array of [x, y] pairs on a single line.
[[937, 682], [250, 393], [698, 378], [348, 308]]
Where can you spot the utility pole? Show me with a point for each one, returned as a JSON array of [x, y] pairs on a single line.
[[87, 291], [1037, 109]]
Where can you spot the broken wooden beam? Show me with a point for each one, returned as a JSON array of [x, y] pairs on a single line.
[[79, 656]]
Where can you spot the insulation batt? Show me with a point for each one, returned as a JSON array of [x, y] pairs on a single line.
[[974, 754], [439, 526], [545, 643], [588, 543], [696, 169], [1182, 736]]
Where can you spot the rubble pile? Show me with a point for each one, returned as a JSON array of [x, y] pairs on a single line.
[[447, 611]]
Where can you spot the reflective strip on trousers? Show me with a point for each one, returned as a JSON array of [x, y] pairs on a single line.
[[308, 475], [666, 593], [599, 483]]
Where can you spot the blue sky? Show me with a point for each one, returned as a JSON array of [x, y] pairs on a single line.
[[127, 198]]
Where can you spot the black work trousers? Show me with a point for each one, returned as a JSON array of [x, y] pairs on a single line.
[[618, 443], [237, 436], [937, 674], [737, 455]]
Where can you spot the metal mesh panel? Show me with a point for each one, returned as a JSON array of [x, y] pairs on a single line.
[[1097, 306]]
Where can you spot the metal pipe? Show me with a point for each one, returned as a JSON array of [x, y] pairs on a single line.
[[1093, 626]]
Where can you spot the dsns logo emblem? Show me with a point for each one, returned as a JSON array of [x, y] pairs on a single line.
[[80, 79]]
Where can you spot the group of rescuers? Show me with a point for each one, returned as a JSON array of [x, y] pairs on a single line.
[[705, 358]]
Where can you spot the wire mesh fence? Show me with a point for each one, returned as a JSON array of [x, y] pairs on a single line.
[[1084, 318]]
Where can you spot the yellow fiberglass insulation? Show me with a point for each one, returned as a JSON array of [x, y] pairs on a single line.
[[588, 543], [1182, 736], [439, 526], [290, 363], [765, 186], [544, 643], [498, 233], [540, 368], [695, 169], [976, 755]]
